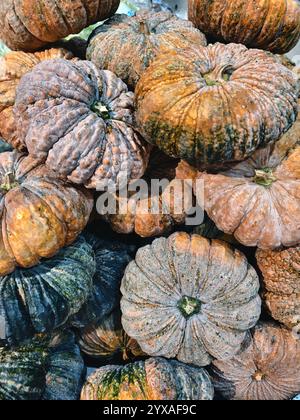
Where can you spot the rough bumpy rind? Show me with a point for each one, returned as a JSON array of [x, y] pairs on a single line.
[[272, 25], [12, 67], [29, 25], [39, 213], [154, 379], [268, 368], [216, 104], [83, 146], [281, 276], [219, 277], [42, 299], [127, 45]]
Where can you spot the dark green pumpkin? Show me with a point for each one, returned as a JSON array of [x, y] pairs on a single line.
[[47, 368], [112, 257], [43, 298]]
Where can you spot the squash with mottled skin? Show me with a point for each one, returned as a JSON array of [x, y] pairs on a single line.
[[127, 45], [28, 25], [190, 298], [39, 214], [281, 277], [12, 67], [42, 299], [272, 25], [268, 367], [216, 104], [93, 140], [154, 379]]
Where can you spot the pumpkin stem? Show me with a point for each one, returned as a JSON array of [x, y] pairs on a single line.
[[101, 110], [9, 182], [189, 306], [218, 76], [144, 28], [258, 376], [264, 177]]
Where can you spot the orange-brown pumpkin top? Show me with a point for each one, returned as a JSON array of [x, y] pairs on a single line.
[[12, 67], [126, 45], [272, 25], [215, 104], [28, 25], [39, 214]]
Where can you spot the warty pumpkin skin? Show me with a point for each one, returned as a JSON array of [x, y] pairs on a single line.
[[12, 67], [106, 340], [216, 104], [44, 298], [189, 298], [127, 45], [258, 200], [45, 369], [92, 140], [111, 259], [28, 25], [281, 277], [268, 368], [154, 379], [272, 25], [39, 214]]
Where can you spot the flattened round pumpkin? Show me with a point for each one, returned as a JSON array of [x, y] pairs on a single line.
[[190, 298]]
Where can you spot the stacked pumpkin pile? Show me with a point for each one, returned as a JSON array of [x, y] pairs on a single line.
[[189, 323]]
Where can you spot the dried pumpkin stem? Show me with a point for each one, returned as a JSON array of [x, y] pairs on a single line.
[[189, 306], [264, 177], [101, 110], [9, 182], [144, 28]]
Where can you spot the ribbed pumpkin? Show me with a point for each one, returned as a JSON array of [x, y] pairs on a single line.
[[12, 67], [189, 298], [30, 24], [92, 140], [268, 368], [48, 369], [127, 45], [111, 258], [258, 200], [41, 299], [154, 379], [216, 104], [272, 25], [281, 276], [157, 213], [106, 340], [39, 214]]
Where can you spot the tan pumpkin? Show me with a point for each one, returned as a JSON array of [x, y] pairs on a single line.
[[107, 340], [39, 214], [28, 25], [127, 45], [12, 67], [216, 104], [272, 25], [281, 276], [268, 368], [258, 200], [189, 298], [155, 379]]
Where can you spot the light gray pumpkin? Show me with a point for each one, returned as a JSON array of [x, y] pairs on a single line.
[[190, 298]]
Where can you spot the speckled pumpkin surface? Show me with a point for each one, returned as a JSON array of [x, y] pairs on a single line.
[[30, 24], [189, 298], [12, 67], [268, 368], [154, 379], [106, 340], [281, 276], [49, 369], [216, 104], [92, 140], [258, 200], [272, 25], [41, 299], [111, 258], [39, 214], [127, 45]]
